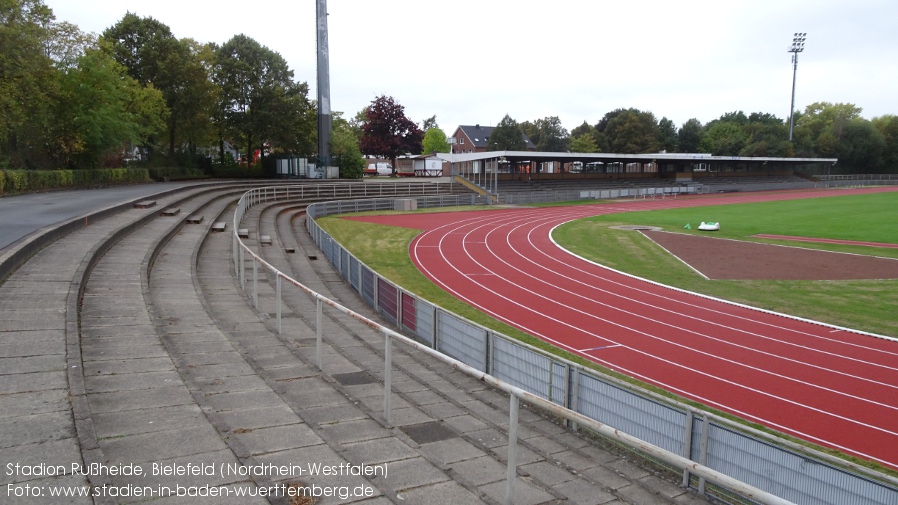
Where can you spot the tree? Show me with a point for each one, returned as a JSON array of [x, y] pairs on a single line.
[[633, 132], [818, 116], [28, 82], [860, 146], [547, 134], [344, 149], [888, 127], [767, 136], [723, 139], [667, 135], [584, 143], [429, 123], [195, 104], [435, 141], [598, 138], [154, 57], [507, 136], [66, 42], [101, 110], [387, 132], [259, 100], [689, 137]]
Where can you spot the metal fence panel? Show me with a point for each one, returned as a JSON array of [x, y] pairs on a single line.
[[425, 321], [785, 473], [522, 367], [559, 383], [461, 340], [409, 314], [355, 279], [646, 419], [368, 283], [387, 300], [344, 263]]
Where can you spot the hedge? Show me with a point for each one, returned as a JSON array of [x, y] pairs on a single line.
[[21, 181]]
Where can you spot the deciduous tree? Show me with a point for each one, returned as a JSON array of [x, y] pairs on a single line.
[[259, 100], [690, 135], [387, 132], [435, 141], [507, 136]]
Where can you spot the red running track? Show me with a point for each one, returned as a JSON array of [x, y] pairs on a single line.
[[828, 385]]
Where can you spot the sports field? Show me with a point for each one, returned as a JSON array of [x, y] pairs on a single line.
[[863, 304], [821, 383]]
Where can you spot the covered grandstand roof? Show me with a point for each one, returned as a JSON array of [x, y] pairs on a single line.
[[684, 159]]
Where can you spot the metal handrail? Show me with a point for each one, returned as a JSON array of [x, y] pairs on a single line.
[[516, 394]]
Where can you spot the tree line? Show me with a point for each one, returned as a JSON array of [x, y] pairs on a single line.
[[72, 99], [75, 100], [822, 130]]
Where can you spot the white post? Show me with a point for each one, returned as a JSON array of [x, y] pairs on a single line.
[[512, 449], [279, 302], [318, 323], [388, 376]]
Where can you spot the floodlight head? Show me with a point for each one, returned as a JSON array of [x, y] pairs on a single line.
[[798, 42]]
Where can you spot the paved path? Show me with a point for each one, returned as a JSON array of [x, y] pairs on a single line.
[[25, 214], [176, 370]]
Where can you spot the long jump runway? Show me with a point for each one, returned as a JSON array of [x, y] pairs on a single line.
[[833, 387]]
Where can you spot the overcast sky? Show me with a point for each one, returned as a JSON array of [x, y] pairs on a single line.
[[473, 61]]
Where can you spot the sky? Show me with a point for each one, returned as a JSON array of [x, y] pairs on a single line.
[[474, 61]]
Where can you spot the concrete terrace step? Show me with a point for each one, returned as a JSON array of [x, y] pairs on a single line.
[[174, 367], [143, 410], [41, 384]]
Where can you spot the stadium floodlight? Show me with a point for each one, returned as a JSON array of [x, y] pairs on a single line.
[[796, 47]]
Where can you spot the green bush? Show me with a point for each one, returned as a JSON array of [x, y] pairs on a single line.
[[175, 173], [19, 181]]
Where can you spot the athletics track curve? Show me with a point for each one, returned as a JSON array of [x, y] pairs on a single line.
[[827, 385]]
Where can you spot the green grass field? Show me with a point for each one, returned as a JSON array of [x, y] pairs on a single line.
[[868, 305]]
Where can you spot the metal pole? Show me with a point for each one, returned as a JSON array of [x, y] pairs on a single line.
[[796, 47], [242, 271], [255, 283], [318, 339], [324, 87], [279, 302], [792, 108], [512, 449], [388, 375]]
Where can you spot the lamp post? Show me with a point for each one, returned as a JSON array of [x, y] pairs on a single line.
[[796, 47]]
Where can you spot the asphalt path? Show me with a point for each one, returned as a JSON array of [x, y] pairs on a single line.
[[22, 215]]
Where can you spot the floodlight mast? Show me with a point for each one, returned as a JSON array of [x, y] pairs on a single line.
[[796, 47], [324, 86]]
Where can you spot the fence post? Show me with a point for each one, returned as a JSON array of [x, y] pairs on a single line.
[[703, 456], [242, 270], [318, 323], [255, 283], [687, 445], [388, 374], [575, 394], [512, 449], [278, 284]]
